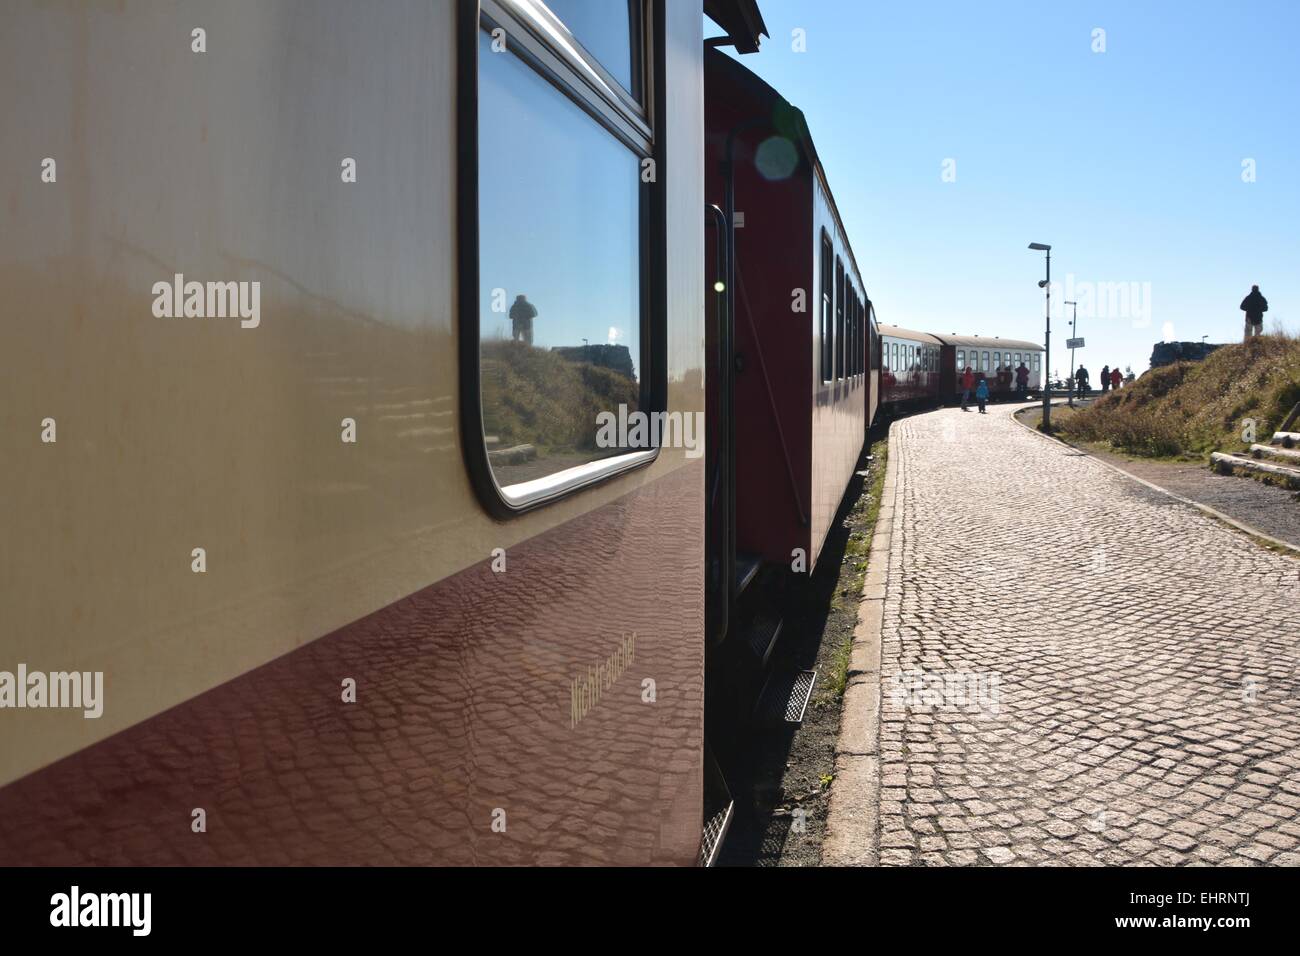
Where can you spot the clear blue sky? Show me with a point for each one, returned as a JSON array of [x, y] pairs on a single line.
[[1129, 162]]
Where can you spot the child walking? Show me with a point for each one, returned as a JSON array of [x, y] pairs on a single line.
[[982, 393]]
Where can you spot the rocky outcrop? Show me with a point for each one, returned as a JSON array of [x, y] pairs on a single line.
[[1167, 353], [616, 358]]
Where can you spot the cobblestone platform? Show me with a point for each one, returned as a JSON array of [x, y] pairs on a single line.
[[1076, 669]]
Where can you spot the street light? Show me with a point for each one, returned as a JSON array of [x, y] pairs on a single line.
[[1046, 285], [1074, 334]]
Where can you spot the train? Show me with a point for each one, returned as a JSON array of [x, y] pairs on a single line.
[[920, 368], [514, 354]]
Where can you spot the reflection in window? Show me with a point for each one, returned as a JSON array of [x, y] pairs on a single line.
[[608, 30], [559, 273]]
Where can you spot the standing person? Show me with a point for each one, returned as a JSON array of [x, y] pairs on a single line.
[[1081, 381], [1254, 305], [1105, 379], [522, 313], [967, 383], [982, 393], [1022, 379], [1116, 378]]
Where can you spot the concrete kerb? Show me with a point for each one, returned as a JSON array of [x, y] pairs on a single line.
[[853, 816]]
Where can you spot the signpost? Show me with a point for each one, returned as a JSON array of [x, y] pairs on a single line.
[[1073, 344]]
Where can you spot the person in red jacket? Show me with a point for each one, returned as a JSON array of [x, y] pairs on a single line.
[[967, 383], [1116, 377]]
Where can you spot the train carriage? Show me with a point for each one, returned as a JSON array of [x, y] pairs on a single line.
[[910, 364], [992, 358], [805, 389], [361, 579]]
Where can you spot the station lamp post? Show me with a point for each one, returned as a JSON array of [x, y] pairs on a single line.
[[1046, 286], [1074, 334]]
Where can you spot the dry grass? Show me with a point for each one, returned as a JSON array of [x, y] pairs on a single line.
[[1194, 408], [533, 395]]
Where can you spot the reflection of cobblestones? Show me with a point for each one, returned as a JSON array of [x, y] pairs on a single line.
[[464, 706], [1146, 658]]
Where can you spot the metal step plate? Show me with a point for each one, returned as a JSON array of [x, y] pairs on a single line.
[[784, 699], [716, 821]]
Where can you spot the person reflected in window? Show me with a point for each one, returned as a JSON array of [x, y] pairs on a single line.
[[522, 314]]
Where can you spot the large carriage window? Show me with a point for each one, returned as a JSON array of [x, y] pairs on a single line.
[[1037, 357], [561, 221], [828, 305]]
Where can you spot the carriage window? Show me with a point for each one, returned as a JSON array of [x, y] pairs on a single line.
[[610, 33], [561, 270], [857, 335], [851, 367], [851, 330], [961, 360], [1037, 357], [828, 304], [839, 317], [897, 365]]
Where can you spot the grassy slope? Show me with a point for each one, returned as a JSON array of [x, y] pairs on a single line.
[[1194, 408], [534, 395]]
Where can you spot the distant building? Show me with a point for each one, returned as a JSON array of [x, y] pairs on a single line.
[[616, 358], [1167, 353]]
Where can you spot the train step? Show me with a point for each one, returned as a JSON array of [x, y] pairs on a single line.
[[762, 635], [719, 809], [1286, 439], [784, 699]]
